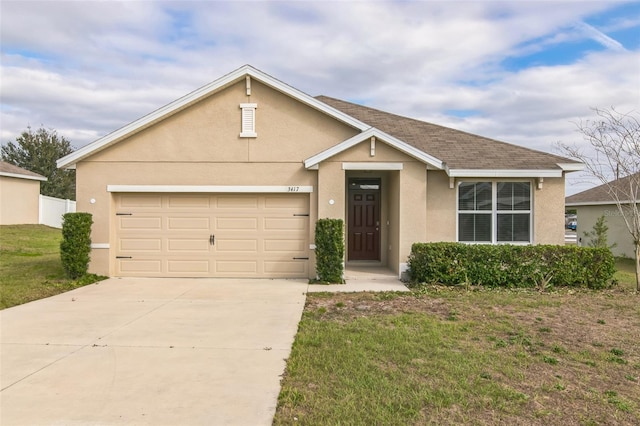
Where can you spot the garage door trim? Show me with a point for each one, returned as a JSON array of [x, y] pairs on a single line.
[[212, 188]]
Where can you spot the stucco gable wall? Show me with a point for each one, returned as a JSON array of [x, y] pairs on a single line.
[[209, 131], [383, 153]]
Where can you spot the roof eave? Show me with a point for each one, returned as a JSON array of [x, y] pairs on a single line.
[[571, 167], [505, 173], [598, 203], [312, 163], [21, 176]]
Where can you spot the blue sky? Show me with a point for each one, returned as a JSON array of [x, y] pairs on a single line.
[[519, 71]]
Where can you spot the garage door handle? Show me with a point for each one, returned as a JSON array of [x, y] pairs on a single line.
[[212, 239]]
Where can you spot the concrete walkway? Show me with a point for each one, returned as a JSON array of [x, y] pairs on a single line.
[[149, 351], [363, 278]]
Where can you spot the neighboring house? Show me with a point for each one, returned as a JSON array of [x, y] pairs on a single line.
[[229, 181], [19, 195], [596, 202]]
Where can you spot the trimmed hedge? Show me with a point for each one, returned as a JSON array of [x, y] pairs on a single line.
[[511, 265], [329, 250], [75, 247]]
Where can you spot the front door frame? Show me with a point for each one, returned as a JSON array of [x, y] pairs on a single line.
[[367, 186]]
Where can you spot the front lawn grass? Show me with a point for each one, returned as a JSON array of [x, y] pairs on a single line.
[[455, 356], [30, 266]]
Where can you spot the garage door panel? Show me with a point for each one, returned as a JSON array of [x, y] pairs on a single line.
[[287, 268], [141, 201], [237, 223], [285, 223], [285, 202], [140, 267], [236, 202], [280, 246], [149, 245], [188, 267], [254, 235], [198, 245], [237, 245], [236, 266], [189, 223], [132, 223], [189, 202]]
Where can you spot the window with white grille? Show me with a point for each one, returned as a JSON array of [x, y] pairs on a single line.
[[494, 212], [248, 120]]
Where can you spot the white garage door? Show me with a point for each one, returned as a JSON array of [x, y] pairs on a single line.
[[204, 235]]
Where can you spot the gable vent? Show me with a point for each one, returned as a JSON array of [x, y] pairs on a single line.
[[248, 120]]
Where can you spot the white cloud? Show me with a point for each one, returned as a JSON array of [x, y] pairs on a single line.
[[86, 68]]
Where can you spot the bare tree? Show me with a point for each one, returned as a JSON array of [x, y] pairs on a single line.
[[612, 156]]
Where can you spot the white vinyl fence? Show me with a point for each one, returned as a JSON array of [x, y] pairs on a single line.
[[52, 209]]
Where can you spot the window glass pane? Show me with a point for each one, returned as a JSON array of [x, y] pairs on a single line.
[[474, 196], [505, 198], [483, 196], [521, 196], [513, 196], [513, 227], [466, 196], [474, 227]]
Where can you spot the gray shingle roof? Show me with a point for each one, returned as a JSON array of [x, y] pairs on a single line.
[[602, 194], [458, 149], [15, 170]]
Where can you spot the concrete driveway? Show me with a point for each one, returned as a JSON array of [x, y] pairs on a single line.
[[149, 351]]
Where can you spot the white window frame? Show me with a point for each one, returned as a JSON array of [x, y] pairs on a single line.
[[248, 120], [494, 212]]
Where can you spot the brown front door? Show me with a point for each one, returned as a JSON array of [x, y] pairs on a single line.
[[364, 219]]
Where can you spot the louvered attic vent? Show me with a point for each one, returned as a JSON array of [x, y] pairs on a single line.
[[248, 120]]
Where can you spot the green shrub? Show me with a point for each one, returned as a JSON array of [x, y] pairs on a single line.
[[510, 265], [329, 250], [75, 247]]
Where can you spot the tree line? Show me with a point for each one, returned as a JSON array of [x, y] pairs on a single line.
[[38, 151]]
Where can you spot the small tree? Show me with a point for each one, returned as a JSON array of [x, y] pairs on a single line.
[[613, 158], [598, 235], [38, 152]]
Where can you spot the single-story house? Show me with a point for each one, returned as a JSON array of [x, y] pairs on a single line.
[[229, 181], [599, 201], [19, 195]]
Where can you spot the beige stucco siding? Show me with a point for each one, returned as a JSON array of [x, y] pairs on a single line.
[[617, 232], [19, 201], [413, 204], [394, 214], [548, 211], [441, 208]]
